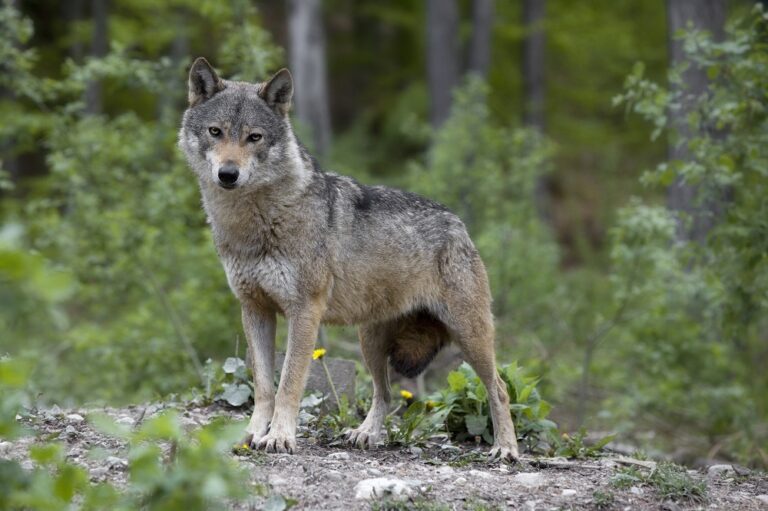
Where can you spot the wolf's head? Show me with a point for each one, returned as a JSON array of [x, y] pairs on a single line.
[[237, 135]]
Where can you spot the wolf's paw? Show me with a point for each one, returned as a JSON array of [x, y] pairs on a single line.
[[277, 442], [503, 453], [362, 438]]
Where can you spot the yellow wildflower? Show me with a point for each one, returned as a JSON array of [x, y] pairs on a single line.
[[430, 405], [246, 447], [406, 395], [318, 354]]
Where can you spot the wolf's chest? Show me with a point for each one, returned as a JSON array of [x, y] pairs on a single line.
[[250, 274]]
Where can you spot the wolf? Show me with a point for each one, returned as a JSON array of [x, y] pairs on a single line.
[[317, 247]]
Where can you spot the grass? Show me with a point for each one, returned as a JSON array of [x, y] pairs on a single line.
[[670, 481]]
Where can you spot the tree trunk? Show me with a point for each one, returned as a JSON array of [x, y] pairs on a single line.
[[480, 45], [706, 15], [533, 63], [99, 48], [534, 91], [442, 57], [308, 65]]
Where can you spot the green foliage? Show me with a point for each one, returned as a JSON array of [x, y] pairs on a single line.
[[573, 446], [696, 331], [420, 422], [603, 499], [136, 290], [467, 413]]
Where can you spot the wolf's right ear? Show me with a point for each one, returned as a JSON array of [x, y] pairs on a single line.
[[278, 91], [203, 82]]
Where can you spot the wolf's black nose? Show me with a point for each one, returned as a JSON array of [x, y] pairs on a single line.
[[228, 174]]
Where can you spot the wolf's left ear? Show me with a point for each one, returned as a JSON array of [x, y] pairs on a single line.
[[203, 82], [278, 91]]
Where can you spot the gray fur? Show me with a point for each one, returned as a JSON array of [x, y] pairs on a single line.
[[319, 247]]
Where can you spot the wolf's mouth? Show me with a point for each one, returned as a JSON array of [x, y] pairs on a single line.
[[228, 186]]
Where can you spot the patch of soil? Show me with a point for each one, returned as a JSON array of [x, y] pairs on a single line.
[[440, 476]]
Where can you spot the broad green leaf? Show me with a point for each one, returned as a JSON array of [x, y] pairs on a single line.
[[476, 424], [457, 381]]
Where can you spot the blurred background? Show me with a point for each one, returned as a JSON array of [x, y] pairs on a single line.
[[609, 159]]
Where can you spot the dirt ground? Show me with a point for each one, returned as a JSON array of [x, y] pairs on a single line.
[[437, 477]]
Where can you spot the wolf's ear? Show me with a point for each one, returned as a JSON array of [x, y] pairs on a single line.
[[203, 82], [278, 91]]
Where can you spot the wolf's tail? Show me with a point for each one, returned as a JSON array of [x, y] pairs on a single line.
[[416, 340]]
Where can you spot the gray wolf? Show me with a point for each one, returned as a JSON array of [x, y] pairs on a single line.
[[317, 248]]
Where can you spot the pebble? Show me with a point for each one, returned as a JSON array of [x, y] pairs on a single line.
[[375, 472], [116, 463], [70, 431], [382, 487], [338, 456], [334, 475], [636, 490], [763, 499], [126, 421], [720, 470], [568, 493], [460, 481], [5, 447], [479, 474], [445, 470], [75, 417], [416, 450], [529, 479], [98, 472]]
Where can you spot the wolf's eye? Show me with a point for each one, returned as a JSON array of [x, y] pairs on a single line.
[[254, 137], [214, 131]]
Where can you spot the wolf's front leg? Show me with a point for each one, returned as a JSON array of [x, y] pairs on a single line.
[[303, 326], [259, 327]]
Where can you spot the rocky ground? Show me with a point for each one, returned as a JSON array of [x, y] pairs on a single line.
[[437, 477]]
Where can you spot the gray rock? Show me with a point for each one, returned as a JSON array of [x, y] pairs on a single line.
[[479, 474], [763, 499], [126, 421], [338, 456], [636, 490], [98, 472], [460, 481], [416, 450], [529, 479], [75, 417], [334, 475], [445, 470], [342, 373], [70, 431], [568, 493], [720, 470], [382, 487]]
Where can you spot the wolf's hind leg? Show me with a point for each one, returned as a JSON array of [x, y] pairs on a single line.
[[374, 343], [468, 317], [259, 327]]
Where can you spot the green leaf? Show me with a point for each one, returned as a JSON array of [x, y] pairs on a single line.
[[232, 364], [476, 424], [236, 394], [457, 381]]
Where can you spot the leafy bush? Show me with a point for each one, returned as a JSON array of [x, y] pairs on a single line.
[[464, 404]]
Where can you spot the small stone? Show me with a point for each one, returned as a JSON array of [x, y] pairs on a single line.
[[5, 448], [55, 410], [720, 470], [382, 487], [114, 462], [334, 475], [70, 431], [568, 493], [338, 456], [416, 450], [479, 474], [529, 479], [98, 472], [636, 490], [126, 421], [375, 472], [763, 499], [445, 470], [460, 481], [75, 417]]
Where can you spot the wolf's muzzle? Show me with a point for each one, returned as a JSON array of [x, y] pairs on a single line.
[[228, 175]]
